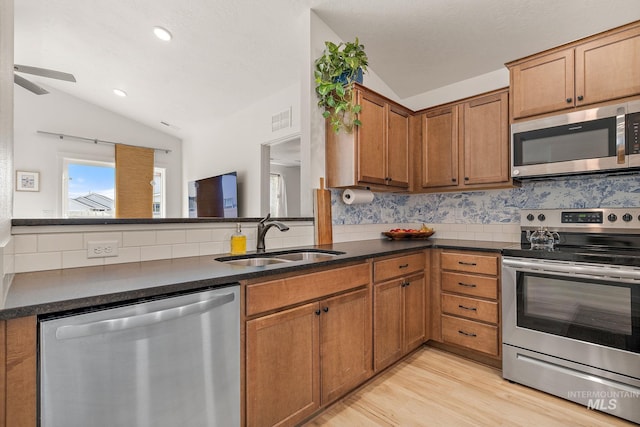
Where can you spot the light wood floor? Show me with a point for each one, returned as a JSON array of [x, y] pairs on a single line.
[[435, 388]]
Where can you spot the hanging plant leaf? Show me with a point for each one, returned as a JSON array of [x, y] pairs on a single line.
[[335, 72]]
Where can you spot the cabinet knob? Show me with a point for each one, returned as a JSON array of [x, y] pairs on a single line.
[[466, 178], [580, 97], [453, 180], [326, 309], [569, 100], [318, 312]]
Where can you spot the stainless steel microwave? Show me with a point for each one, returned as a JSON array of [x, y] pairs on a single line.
[[604, 139]]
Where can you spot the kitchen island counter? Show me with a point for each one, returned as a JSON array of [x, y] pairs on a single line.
[[52, 291]]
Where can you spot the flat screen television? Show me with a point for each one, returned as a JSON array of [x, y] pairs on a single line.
[[216, 196]]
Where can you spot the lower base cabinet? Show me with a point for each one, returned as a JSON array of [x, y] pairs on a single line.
[[18, 372], [300, 359], [399, 318], [466, 303], [399, 298]]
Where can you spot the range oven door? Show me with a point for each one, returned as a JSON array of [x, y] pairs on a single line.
[[586, 313]]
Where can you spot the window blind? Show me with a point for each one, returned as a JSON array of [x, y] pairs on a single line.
[[134, 177]]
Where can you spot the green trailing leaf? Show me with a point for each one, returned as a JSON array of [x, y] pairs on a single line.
[[338, 100]]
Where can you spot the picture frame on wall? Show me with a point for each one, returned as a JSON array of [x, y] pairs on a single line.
[[27, 181]]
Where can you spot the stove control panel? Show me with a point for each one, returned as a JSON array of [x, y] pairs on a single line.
[[573, 217], [604, 219]]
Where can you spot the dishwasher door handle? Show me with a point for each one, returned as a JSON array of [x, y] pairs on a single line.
[[123, 323]]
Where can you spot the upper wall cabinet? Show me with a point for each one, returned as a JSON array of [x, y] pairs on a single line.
[[466, 145], [593, 70], [375, 154]]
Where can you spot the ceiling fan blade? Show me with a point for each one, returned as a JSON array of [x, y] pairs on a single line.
[[30, 86], [44, 72]]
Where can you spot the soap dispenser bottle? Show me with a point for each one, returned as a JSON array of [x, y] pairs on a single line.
[[238, 242]]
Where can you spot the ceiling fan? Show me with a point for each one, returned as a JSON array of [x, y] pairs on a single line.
[[43, 72]]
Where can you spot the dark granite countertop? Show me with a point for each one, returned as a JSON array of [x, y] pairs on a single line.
[[53, 291], [30, 222]]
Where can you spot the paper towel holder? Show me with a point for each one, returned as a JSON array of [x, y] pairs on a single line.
[[357, 196]]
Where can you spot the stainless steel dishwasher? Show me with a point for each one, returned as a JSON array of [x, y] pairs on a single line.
[[173, 361]]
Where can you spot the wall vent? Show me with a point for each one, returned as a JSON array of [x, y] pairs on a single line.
[[281, 120]]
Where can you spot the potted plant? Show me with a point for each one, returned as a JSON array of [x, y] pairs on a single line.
[[335, 72]]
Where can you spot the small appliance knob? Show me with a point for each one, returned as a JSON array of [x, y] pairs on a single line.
[[627, 217], [530, 217], [541, 217], [612, 217], [515, 172]]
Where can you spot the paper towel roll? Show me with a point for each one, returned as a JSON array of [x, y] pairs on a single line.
[[356, 197]]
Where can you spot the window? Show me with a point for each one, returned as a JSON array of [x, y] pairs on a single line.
[[159, 205], [278, 195], [89, 189]]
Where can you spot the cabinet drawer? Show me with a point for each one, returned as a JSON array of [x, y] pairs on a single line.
[[267, 296], [468, 284], [472, 263], [470, 334], [471, 308], [396, 267]]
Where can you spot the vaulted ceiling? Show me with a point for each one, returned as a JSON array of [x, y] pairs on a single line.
[[226, 54]]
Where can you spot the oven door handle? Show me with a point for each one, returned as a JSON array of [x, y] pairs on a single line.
[[598, 271]]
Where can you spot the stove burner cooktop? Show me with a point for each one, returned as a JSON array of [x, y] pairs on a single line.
[[600, 236]]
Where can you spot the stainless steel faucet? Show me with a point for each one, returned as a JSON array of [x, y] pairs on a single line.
[[263, 227]]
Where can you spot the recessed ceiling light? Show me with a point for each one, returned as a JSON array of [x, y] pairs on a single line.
[[120, 92], [162, 33]]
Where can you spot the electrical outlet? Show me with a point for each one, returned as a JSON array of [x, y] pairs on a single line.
[[102, 249]]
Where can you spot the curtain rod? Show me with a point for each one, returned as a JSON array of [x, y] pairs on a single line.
[[95, 140]]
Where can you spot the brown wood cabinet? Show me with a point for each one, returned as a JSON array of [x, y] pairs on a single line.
[[466, 303], [375, 154], [282, 367], [465, 145], [18, 372], [399, 308], [440, 147], [594, 70], [301, 358]]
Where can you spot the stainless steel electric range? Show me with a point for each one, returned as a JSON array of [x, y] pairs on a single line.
[[571, 313]]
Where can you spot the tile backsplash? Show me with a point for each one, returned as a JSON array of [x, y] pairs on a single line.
[[34, 248], [492, 215]]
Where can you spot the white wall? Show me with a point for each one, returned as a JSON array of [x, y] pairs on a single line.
[[6, 133], [62, 113], [234, 144], [459, 90]]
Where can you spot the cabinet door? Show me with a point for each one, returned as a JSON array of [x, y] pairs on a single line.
[[543, 84], [282, 367], [398, 148], [18, 357], [440, 148], [345, 343], [414, 312], [387, 324], [608, 68], [371, 139], [486, 140]]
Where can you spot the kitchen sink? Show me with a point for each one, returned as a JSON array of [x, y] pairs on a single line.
[[307, 256], [269, 258], [254, 261]]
